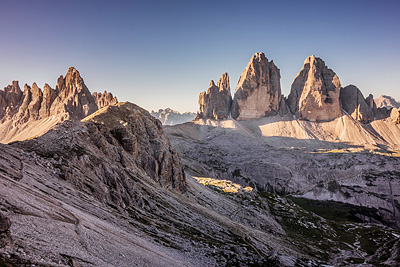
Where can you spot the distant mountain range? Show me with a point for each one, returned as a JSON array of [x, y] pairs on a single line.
[[171, 117], [387, 102]]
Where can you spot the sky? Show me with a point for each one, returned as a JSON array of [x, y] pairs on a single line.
[[161, 54]]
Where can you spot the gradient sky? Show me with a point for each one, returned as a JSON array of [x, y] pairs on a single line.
[[161, 54]]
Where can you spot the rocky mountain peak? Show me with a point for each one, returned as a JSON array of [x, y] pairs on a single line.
[[354, 103], [216, 102], [258, 93], [212, 84], [315, 92], [223, 83], [104, 99]]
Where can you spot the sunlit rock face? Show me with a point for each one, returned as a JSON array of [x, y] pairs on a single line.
[[386, 101], [104, 99], [315, 91], [395, 115], [73, 96], [172, 117], [30, 113], [10, 96], [216, 102], [354, 103], [258, 93]]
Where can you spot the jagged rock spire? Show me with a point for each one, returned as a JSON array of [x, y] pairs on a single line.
[[258, 93], [216, 102], [315, 91]]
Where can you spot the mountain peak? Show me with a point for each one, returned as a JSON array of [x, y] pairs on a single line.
[[258, 92], [315, 92]]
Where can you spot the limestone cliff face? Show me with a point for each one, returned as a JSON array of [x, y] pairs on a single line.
[[73, 97], [216, 102], [354, 103], [315, 92], [395, 115], [9, 99], [258, 93]]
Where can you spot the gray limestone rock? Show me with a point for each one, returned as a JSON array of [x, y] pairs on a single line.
[[258, 93], [21, 113], [395, 116], [10, 97], [73, 97], [315, 91], [5, 225], [353, 102], [216, 102], [104, 99]]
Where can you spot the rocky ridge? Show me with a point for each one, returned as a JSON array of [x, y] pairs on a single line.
[[33, 112], [385, 101]]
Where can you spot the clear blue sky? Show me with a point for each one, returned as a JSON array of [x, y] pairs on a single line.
[[161, 54]]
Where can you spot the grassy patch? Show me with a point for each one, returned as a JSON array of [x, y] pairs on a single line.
[[337, 211]]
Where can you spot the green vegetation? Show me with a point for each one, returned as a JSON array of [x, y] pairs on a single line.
[[325, 229], [337, 211]]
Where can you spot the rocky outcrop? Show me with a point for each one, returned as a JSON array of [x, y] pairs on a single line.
[[395, 115], [172, 117], [354, 103], [385, 101], [258, 93], [104, 99], [216, 102], [315, 91], [49, 95], [370, 102]]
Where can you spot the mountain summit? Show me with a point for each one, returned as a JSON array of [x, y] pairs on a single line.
[[258, 92]]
